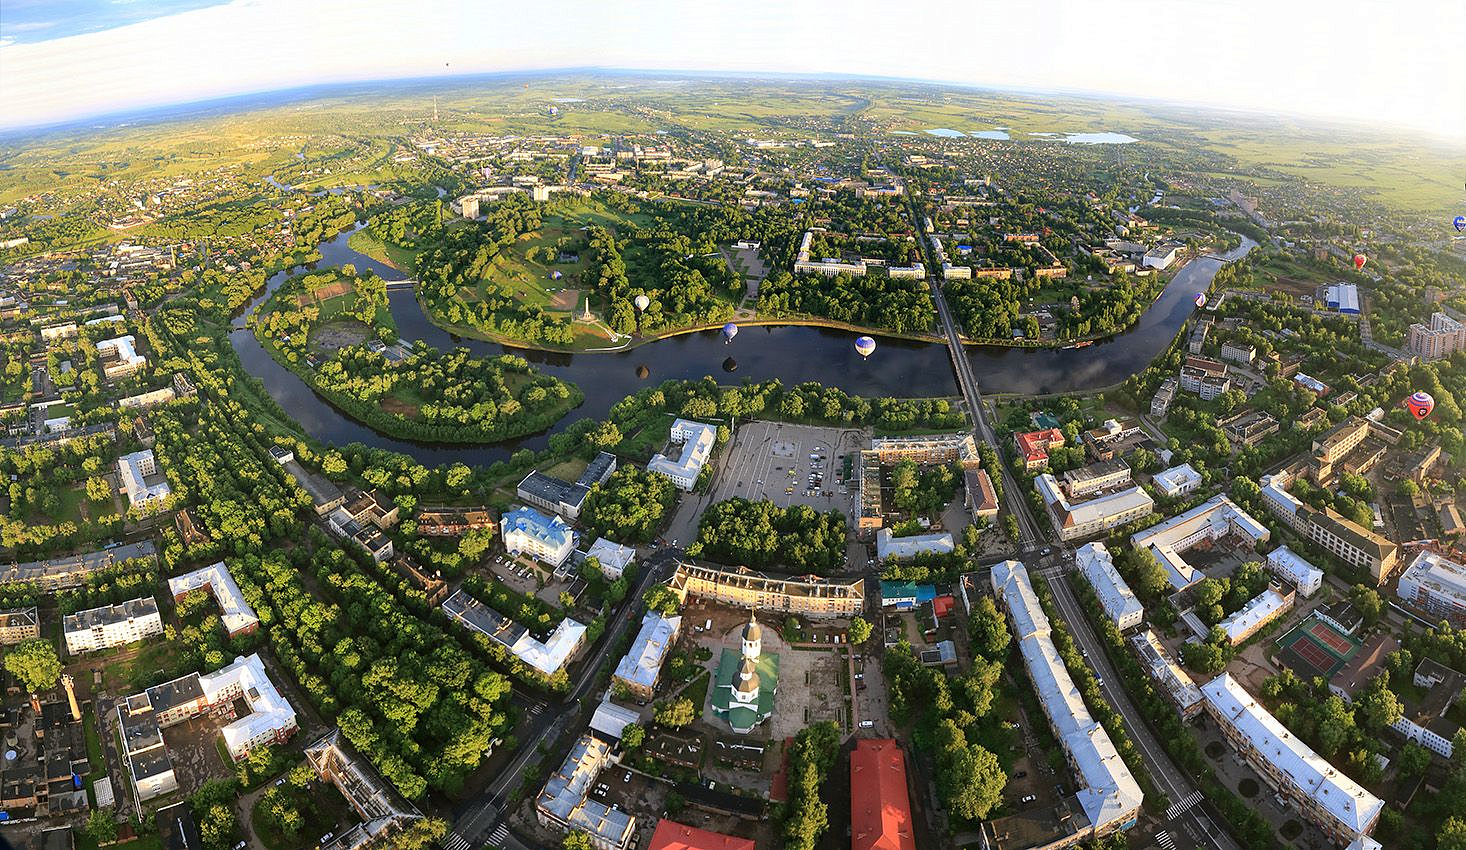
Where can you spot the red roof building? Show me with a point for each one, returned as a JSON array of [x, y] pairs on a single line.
[[671, 835], [943, 605], [880, 810], [1035, 446]]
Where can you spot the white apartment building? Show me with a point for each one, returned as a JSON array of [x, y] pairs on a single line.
[[1286, 563], [112, 625], [546, 539], [1119, 601], [1436, 586], [134, 470], [1214, 519], [1085, 519], [1335, 803], [697, 440]]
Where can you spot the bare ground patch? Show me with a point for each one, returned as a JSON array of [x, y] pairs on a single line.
[[398, 407], [565, 299], [339, 334]]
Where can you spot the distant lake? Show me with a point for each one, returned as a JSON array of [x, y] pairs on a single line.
[[1000, 134], [904, 133], [947, 134]]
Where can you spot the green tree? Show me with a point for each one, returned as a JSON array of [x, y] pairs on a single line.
[[989, 630], [97, 489], [1413, 759], [1368, 602], [101, 828], [633, 736], [859, 631], [675, 713], [1378, 704], [662, 599], [1453, 834], [969, 777], [35, 664], [576, 840]]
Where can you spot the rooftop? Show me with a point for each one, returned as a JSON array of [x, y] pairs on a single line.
[[671, 835], [643, 662], [880, 808], [1213, 519], [551, 531], [108, 615], [1341, 797], [1114, 594], [234, 610]]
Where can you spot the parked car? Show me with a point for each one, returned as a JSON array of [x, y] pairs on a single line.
[[1027, 798], [866, 724]]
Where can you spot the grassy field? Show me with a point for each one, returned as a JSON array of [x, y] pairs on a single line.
[[402, 259], [567, 470], [530, 280]]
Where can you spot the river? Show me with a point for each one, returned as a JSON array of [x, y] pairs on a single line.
[[790, 353]]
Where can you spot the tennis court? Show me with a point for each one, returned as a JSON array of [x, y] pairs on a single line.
[[1314, 648]]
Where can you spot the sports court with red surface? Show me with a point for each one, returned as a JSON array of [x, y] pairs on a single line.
[[880, 809], [671, 835], [1314, 648]]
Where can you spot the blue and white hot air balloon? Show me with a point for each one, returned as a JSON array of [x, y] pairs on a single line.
[[1460, 223], [865, 345], [730, 330], [1200, 300]]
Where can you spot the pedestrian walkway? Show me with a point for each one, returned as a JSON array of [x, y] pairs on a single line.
[[497, 837], [454, 841], [1181, 807], [1164, 839]]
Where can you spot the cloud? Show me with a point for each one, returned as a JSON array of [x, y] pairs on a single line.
[[1392, 64]]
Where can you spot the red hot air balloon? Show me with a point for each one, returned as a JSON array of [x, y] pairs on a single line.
[[1420, 404], [1359, 261]]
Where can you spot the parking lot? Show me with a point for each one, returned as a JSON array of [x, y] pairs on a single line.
[[788, 465]]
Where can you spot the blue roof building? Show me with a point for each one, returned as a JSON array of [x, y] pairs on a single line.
[[528, 531]]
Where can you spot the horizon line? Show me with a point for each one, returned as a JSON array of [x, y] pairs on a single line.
[[179, 110]]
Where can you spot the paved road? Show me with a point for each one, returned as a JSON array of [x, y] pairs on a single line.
[[480, 819], [1196, 822]]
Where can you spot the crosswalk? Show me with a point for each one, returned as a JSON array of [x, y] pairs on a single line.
[[1164, 839], [1180, 807], [454, 841], [496, 838]]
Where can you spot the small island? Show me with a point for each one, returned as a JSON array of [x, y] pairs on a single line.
[[333, 329]]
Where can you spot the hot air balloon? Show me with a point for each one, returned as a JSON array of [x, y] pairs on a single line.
[[730, 330], [642, 371], [1359, 261], [865, 345], [1460, 223], [730, 365], [1201, 299], [641, 302], [1420, 404]]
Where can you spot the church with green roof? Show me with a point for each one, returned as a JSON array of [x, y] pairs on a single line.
[[743, 692]]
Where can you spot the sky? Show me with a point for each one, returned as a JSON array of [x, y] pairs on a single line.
[[1398, 64]]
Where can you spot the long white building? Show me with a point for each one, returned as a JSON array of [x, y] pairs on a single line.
[[1324, 795], [112, 625], [1436, 586], [697, 439], [1119, 601], [1272, 603], [271, 718], [1109, 794], [1214, 519], [640, 668]]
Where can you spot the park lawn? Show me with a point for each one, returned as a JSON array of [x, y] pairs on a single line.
[[698, 690], [529, 281], [567, 470], [142, 842], [135, 672], [396, 256]]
